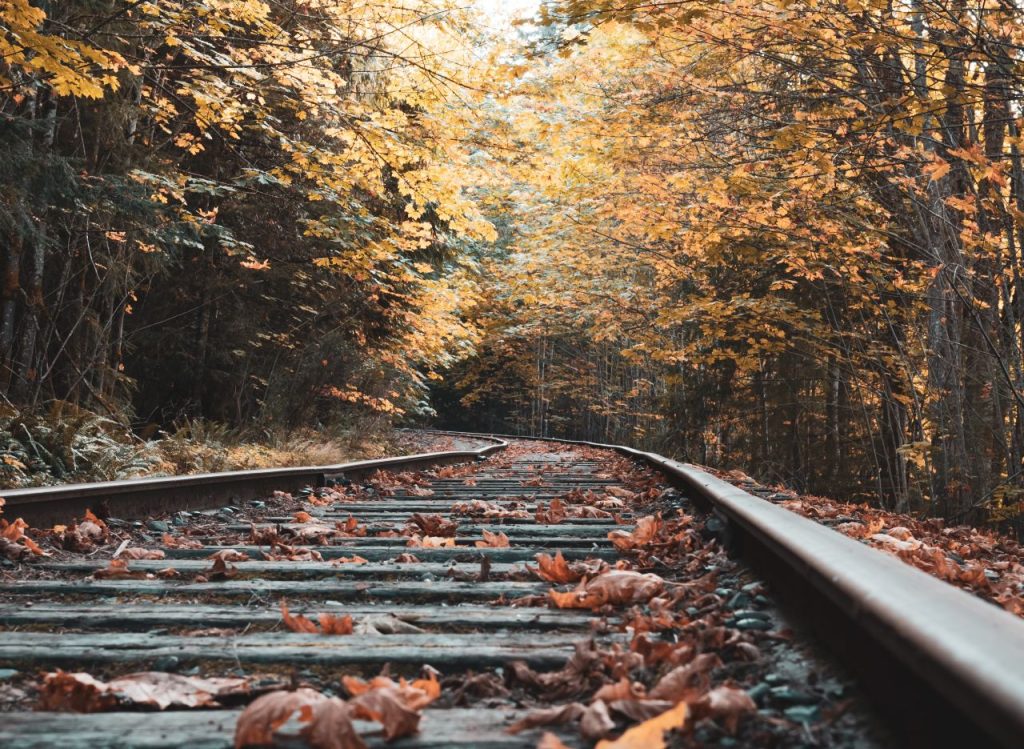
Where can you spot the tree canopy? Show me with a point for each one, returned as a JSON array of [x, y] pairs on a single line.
[[782, 235]]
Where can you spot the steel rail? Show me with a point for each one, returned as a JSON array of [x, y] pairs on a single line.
[[133, 498], [945, 667]]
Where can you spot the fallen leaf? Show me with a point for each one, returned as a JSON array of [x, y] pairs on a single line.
[[679, 683], [434, 525], [134, 552], [329, 623], [645, 532], [493, 540], [117, 569], [387, 706], [555, 570], [623, 689], [302, 517], [429, 542], [651, 733], [354, 559], [548, 716], [596, 723], [330, 726], [229, 555], [257, 723], [726, 703], [548, 740], [80, 692], [617, 587]]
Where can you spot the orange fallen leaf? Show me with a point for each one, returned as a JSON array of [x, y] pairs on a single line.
[[555, 570], [685, 682], [302, 517], [134, 552], [118, 569], [80, 692], [329, 623], [651, 733], [645, 532], [616, 587], [429, 542], [355, 559], [728, 704], [493, 540], [229, 555], [263, 716], [623, 689]]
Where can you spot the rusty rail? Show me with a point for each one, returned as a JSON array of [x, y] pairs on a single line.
[[134, 498], [946, 667]]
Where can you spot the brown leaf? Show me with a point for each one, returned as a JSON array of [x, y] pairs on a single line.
[[302, 517], [330, 726], [134, 552], [616, 587], [406, 558], [416, 695], [679, 683], [555, 570], [726, 703], [623, 689], [167, 573], [257, 723], [354, 559], [117, 569], [548, 740], [80, 692], [429, 542], [387, 706], [651, 733], [646, 531], [596, 723], [434, 525], [640, 710], [553, 515], [297, 623], [173, 542], [229, 555], [548, 716], [493, 540]]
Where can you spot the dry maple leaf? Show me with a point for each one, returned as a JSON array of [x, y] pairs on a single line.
[[728, 704], [134, 552], [646, 531], [554, 570], [329, 623], [229, 555], [620, 493], [623, 689], [80, 692], [548, 716], [173, 542], [406, 558], [117, 569], [387, 706], [686, 682], [429, 542], [651, 733], [433, 525], [354, 559], [616, 587], [493, 540], [548, 740], [264, 715], [302, 517], [416, 694], [554, 515], [330, 726], [596, 723]]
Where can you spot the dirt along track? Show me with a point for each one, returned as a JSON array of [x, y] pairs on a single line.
[[549, 588]]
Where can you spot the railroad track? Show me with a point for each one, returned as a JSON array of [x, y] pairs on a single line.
[[952, 666]]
